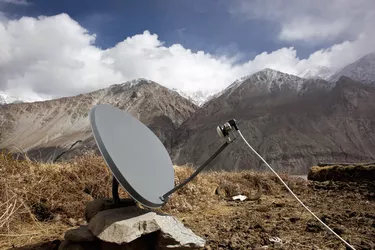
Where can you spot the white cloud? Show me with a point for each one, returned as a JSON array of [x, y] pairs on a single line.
[[50, 57], [55, 56], [16, 2], [145, 56], [311, 20]]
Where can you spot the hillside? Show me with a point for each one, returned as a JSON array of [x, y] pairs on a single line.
[[293, 122], [45, 129], [362, 70], [39, 202]]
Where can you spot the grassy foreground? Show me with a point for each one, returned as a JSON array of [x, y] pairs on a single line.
[[39, 202]]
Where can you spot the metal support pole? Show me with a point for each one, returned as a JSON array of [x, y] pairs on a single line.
[[115, 195], [165, 196]]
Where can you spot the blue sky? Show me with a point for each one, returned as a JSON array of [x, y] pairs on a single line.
[[52, 48], [197, 25]]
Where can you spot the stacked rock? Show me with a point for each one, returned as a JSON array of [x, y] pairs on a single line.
[[125, 226]]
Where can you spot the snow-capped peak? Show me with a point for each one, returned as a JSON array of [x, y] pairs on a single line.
[[362, 70], [128, 84], [134, 82], [266, 79], [137, 81], [197, 97], [6, 99], [318, 72]]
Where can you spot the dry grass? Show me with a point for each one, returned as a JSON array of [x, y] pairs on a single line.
[[200, 193], [38, 201], [347, 173]]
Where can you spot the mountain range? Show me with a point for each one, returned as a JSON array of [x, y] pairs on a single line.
[[294, 122], [46, 129], [361, 70]]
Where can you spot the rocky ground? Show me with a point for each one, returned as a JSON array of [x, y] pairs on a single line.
[[364, 172], [348, 208], [39, 202]]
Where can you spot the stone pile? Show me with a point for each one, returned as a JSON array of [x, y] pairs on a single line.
[[128, 227]]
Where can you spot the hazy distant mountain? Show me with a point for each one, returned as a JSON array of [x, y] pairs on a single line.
[[197, 97], [362, 70], [47, 128], [2, 100], [293, 122], [319, 72], [5, 99]]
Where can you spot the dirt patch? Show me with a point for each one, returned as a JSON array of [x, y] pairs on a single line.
[[251, 225]]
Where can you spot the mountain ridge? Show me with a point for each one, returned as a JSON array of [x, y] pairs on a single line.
[[320, 72], [53, 126], [362, 70], [287, 117], [293, 130], [200, 97]]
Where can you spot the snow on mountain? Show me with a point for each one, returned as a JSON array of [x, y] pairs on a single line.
[[2, 100], [127, 85], [293, 121], [134, 82], [5, 98], [318, 72], [197, 97], [362, 70], [268, 80]]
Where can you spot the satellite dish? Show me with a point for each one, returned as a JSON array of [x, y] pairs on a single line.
[[135, 155], [139, 161], [137, 158]]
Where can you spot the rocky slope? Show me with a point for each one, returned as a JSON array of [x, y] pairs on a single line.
[[362, 70], [293, 122], [45, 129]]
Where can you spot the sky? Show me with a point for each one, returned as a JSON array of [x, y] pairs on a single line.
[[50, 49]]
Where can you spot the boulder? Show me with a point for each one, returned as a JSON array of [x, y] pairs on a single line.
[[173, 234], [124, 225], [80, 234], [70, 245], [95, 206], [145, 242]]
